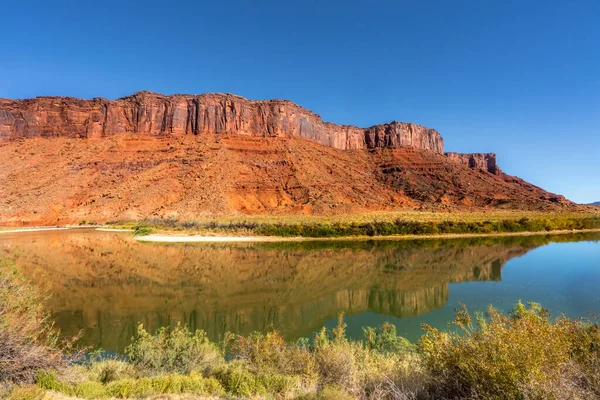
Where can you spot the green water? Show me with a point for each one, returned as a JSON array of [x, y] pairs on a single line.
[[102, 284]]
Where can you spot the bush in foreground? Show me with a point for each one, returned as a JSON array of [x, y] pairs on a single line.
[[522, 355], [525, 354], [27, 340]]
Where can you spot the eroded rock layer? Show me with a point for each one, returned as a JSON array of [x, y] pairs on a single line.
[[157, 115], [483, 161], [130, 177]]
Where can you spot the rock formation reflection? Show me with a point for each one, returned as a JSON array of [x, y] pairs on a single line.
[[105, 283]]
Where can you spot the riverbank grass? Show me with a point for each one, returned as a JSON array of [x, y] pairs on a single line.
[[523, 354], [370, 225]]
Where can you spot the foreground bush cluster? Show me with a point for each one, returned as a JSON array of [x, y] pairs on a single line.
[[375, 228], [523, 355], [27, 341]]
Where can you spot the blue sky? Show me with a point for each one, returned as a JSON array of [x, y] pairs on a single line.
[[519, 78]]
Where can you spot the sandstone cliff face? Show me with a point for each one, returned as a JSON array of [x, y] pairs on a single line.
[[482, 161], [157, 115]]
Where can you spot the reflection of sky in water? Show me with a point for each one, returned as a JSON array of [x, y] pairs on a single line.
[[563, 277]]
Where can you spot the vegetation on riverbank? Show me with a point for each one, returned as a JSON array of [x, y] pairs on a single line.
[[525, 354], [27, 340], [384, 224]]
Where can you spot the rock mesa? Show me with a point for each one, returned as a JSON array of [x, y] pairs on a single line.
[[153, 114]]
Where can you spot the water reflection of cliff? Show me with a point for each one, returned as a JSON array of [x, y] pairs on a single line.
[[105, 283]]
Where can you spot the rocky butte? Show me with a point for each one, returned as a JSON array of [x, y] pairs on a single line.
[[157, 115], [153, 114], [188, 155]]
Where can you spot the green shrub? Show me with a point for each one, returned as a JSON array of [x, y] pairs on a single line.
[[24, 393], [412, 224], [105, 371], [90, 390], [48, 380], [270, 353], [28, 341], [172, 350], [279, 384], [385, 339], [125, 388], [498, 356], [142, 230], [238, 381], [522, 355]]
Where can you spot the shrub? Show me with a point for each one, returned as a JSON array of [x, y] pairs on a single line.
[[385, 339], [238, 381], [194, 383], [417, 223], [270, 353], [172, 350], [498, 356], [105, 371], [24, 393], [142, 230], [282, 385], [337, 365], [27, 340], [91, 390], [522, 355], [48, 380], [335, 392]]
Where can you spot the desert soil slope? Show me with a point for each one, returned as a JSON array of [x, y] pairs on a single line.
[[65, 160]]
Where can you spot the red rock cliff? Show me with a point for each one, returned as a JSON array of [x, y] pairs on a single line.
[[483, 161], [153, 114]]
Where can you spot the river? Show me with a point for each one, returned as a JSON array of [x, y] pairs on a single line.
[[101, 285]]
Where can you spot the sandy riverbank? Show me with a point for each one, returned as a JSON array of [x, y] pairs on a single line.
[[189, 238], [59, 228], [33, 229]]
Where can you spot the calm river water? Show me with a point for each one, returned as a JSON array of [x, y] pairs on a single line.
[[104, 283]]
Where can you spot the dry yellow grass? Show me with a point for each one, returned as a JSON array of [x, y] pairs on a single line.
[[408, 215]]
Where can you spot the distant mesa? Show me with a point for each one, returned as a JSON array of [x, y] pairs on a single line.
[[154, 114], [595, 204], [64, 160]]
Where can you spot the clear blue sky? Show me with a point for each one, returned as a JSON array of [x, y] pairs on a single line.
[[520, 78]]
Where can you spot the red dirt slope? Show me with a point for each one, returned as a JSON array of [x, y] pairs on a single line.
[[47, 181]]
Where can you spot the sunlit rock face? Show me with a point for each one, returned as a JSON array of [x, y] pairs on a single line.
[[482, 161], [106, 283], [153, 114]]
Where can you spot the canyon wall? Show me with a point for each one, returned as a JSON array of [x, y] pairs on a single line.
[[157, 115]]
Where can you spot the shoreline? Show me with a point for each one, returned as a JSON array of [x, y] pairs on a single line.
[[34, 229], [210, 238], [60, 228], [186, 238]]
